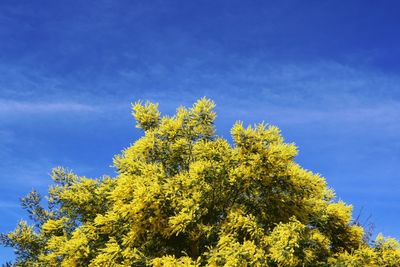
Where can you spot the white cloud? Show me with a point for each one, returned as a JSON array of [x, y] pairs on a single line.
[[11, 106], [7, 204], [288, 92]]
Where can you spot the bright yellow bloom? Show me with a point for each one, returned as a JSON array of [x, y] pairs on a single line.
[[184, 196]]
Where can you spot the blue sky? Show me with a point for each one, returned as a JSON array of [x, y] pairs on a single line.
[[326, 72]]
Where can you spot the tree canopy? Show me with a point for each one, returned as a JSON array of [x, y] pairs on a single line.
[[183, 196]]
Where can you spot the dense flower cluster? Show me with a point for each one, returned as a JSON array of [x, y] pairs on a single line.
[[184, 196]]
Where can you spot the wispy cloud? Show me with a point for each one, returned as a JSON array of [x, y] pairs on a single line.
[[324, 92], [10, 106], [7, 204], [386, 114]]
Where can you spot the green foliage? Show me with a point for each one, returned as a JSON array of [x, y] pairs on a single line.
[[185, 197]]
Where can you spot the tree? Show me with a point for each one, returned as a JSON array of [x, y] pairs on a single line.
[[184, 196]]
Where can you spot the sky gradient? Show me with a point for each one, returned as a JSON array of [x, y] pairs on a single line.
[[326, 72]]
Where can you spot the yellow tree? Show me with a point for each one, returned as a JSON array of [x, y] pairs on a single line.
[[184, 196]]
